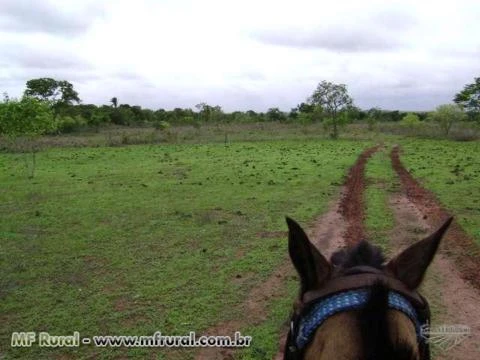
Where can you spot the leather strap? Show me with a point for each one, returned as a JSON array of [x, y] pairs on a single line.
[[356, 281], [350, 279]]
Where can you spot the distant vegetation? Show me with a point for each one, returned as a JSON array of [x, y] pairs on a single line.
[[330, 104]]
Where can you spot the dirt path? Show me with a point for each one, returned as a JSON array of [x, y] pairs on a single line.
[[458, 244], [451, 298], [351, 205]]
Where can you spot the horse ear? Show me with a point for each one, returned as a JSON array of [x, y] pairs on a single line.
[[311, 265], [412, 263]]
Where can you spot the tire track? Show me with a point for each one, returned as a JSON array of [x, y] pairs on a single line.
[[351, 205], [457, 244]]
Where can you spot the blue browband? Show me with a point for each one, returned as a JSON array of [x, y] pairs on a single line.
[[349, 300]]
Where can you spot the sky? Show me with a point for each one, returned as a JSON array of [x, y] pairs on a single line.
[[243, 54]]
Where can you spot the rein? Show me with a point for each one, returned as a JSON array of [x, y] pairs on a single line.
[[348, 292]]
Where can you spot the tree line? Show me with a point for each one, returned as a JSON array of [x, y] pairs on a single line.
[[53, 106]]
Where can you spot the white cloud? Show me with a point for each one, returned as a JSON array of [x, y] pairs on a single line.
[[243, 54], [47, 16]]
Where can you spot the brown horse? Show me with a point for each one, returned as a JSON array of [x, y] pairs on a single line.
[[357, 306]]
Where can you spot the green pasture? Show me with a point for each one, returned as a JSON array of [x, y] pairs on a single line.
[[381, 181], [142, 238], [452, 171], [137, 239]]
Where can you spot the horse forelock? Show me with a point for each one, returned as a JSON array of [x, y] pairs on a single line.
[[363, 253]]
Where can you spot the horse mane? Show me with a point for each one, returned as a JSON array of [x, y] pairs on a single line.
[[373, 319], [362, 253]]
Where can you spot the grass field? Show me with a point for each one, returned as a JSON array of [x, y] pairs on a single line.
[[381, 182], [135, 239], [131, 240], [452, 171]]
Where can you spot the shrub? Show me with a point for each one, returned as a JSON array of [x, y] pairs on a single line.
[[446, 115], [67, 124], [162, 125], [410, 121]]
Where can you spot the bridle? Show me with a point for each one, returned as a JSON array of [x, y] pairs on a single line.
[[348, 292]]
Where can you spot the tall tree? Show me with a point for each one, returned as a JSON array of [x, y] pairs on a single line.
[[332, 98], [49, 89], [114, 102], [44, 89], [69, 95], [469, 98]]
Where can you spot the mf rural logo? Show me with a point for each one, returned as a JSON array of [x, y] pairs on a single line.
[[445, 336]]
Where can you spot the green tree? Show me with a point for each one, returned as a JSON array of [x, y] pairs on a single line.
[[446, 115], [332, 98], [44, 89], [306, 108], [354, 113], [209, 113], [304, 118], [24, 120], [411, 121], [373, 117], [49, 89], [100, 116], [69, 95], [274, 114], [60, 94], [469, 98], [203, 111]]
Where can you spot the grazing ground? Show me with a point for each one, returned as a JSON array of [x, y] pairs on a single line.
[[174, 238], [132, 240]]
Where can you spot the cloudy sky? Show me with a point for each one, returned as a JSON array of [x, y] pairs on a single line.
[[243, 54]]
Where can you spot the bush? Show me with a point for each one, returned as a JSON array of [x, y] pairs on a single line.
[[304, 118], [23, 120], [446, 115], [162, 125], [67, 124], [27, 117], [410, 121]]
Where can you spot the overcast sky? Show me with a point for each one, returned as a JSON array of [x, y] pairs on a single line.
[[243, 54]]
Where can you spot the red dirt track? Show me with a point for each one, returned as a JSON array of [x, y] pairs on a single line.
[[457, 243], [351, 205]]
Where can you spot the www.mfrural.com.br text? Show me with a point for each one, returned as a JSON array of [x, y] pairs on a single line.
[[45, 339]]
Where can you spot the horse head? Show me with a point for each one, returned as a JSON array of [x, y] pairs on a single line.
[[357, 306]]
